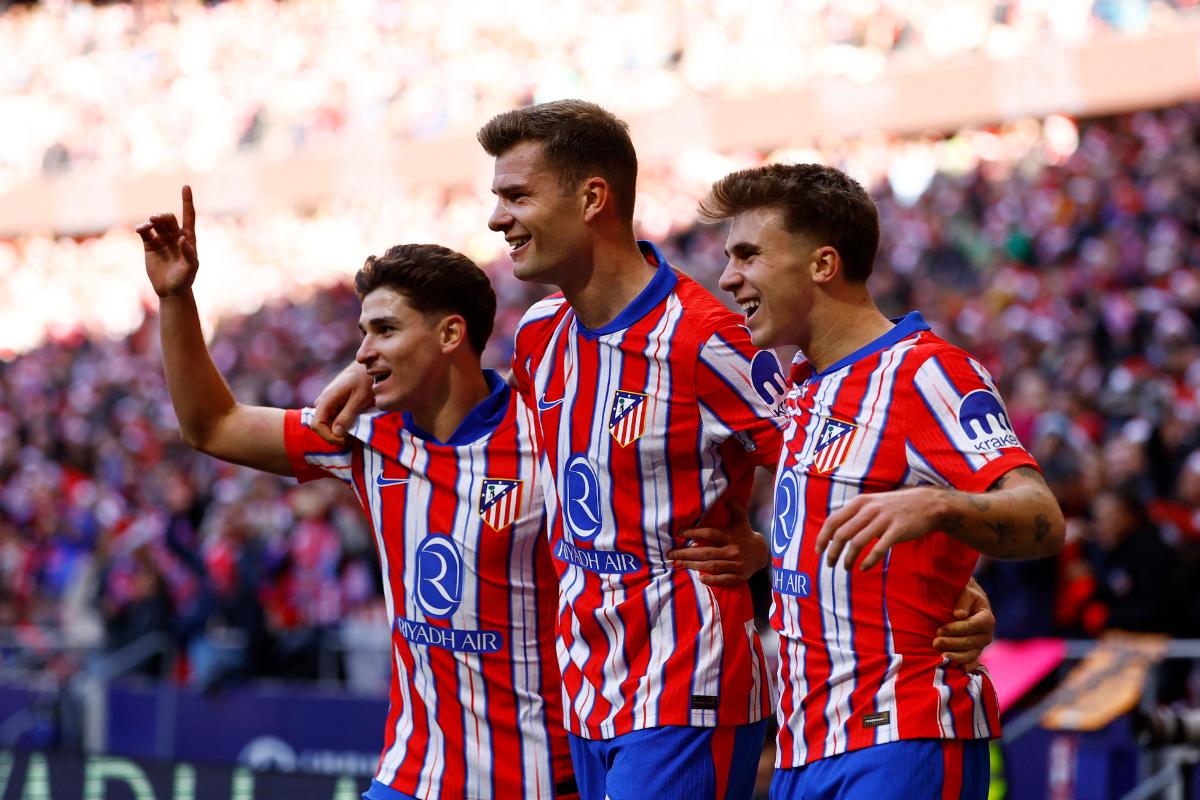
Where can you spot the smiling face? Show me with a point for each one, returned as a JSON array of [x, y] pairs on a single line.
[[401, 350], [770, 275], [541, 221]]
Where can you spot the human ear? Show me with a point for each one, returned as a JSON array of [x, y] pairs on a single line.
[[596, 195], [453, 332], [826, 264]]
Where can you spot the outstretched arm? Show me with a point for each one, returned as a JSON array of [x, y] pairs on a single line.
[[210, 419], [1017, 517]]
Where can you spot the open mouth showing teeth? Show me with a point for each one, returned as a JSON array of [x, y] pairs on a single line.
[[379, 377], [516, 244], [749, 307]]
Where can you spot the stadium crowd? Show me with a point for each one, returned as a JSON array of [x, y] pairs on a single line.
[[144, 87], [1073, 277]]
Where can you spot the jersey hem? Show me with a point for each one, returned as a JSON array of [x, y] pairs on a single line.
[[813, 758], [594, 732]]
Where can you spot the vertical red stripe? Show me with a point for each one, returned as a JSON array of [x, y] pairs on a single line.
[[952, 769], [723, 738]]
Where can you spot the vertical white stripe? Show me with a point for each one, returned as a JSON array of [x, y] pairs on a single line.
[[791, 634], [861, 448], [416, 515], [978, 711], [834, 597], [525, 645], [472, 692], [655, 496], [885, 699], [573, 583], [614, 671], [945, 718]]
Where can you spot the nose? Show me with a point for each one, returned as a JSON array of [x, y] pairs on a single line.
[[500, 220], [730, 277], [366, 351]]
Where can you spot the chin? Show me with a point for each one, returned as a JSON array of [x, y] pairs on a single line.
[[525, 271], [758, 336]]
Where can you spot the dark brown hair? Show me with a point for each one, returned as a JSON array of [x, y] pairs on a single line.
[[579, 139], [817, 201], [434, 279]]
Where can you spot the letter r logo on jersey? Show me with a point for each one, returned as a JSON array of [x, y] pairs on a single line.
[[627, 421], [500, 501], [439, 576], [581, 500], [787, 506]]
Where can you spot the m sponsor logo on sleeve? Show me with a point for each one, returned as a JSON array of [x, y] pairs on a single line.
[[983, 419], [766, 376]]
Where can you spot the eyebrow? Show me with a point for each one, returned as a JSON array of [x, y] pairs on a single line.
[[375, 322], [504, 186], [742, 250]]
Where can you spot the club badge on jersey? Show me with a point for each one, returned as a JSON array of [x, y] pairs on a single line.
[[627, 421], [833, 444], [500, 501]]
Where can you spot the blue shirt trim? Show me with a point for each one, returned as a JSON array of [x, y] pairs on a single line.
[[480, 420], [661, 285], [906, 326], [379, 791]]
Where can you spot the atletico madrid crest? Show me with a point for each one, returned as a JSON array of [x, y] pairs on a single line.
[[500, 501], [628, 418], [833, 444]]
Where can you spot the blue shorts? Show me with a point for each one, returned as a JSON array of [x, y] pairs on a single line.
[[914, 769], [672, 761]]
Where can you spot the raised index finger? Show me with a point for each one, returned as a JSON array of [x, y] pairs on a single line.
[[189, 215]]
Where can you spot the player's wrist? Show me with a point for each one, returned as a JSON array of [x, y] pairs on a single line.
[[947, 516], [175, 293]]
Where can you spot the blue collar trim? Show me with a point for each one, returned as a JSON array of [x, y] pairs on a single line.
[[661, 285], [480, 420], [906, 326]]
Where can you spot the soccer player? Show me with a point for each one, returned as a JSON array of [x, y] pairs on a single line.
[[652, 414], [899, 466], [645, 390], [447, 474]]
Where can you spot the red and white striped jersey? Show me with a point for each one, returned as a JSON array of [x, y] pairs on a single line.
[[460, 533], [648, 425], [857, 665]]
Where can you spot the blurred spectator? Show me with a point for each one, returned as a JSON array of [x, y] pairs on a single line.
[[144, 87]]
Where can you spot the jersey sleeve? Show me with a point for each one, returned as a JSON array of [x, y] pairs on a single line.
[[311, 456], [958, 431], [741, 392]]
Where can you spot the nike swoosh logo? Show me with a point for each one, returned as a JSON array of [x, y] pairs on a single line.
[[382, 481], [543, 405]]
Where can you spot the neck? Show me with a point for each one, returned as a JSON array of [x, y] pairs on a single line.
[[450, 401], [842, 323], [616, 274]]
